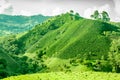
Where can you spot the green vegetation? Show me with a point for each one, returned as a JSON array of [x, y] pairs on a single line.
[[64, 45], [16, 24], [68, 76], [101, 16]]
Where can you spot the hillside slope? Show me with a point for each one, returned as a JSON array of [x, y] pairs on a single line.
[[69, 38], [12, 65], [66, 37]]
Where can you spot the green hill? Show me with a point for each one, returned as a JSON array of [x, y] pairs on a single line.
[[16, 24], [69, 38], [66, 37], [67, 43]]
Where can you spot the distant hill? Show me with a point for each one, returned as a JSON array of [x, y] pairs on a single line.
[[16, 24]]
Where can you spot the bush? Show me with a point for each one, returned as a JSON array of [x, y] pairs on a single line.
[[40, 53], [3, 63], [114, 61], [102, 65], [3, 74]]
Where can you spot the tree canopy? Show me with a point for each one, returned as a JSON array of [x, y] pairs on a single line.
[[100, 16]]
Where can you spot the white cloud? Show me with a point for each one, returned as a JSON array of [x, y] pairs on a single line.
[[106, 7], [117, 6], [25, 13], [117, 19], [51, 11], [90, 11], [46, 12], [57, 11], [5, 7], [2, 2]]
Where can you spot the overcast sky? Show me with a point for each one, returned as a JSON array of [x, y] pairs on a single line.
[[55, 7]]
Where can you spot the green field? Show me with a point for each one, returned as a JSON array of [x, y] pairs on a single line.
[[67, 76]]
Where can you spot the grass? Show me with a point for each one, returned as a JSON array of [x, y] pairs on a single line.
[[72, 38], [67, 76]]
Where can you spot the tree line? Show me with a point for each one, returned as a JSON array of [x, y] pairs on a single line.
[[100, 16]]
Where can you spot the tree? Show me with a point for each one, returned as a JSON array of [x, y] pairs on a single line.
[[71, 11], [105, 16], [77, 16], [114, 56], [114, 60], [100, 16], [3, 63], [3, 74], [72, 14], [95, 15]]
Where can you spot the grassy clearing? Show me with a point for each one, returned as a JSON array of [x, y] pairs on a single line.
[[67, 76]]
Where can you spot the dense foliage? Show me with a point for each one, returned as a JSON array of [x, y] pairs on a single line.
[[101, 16]]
